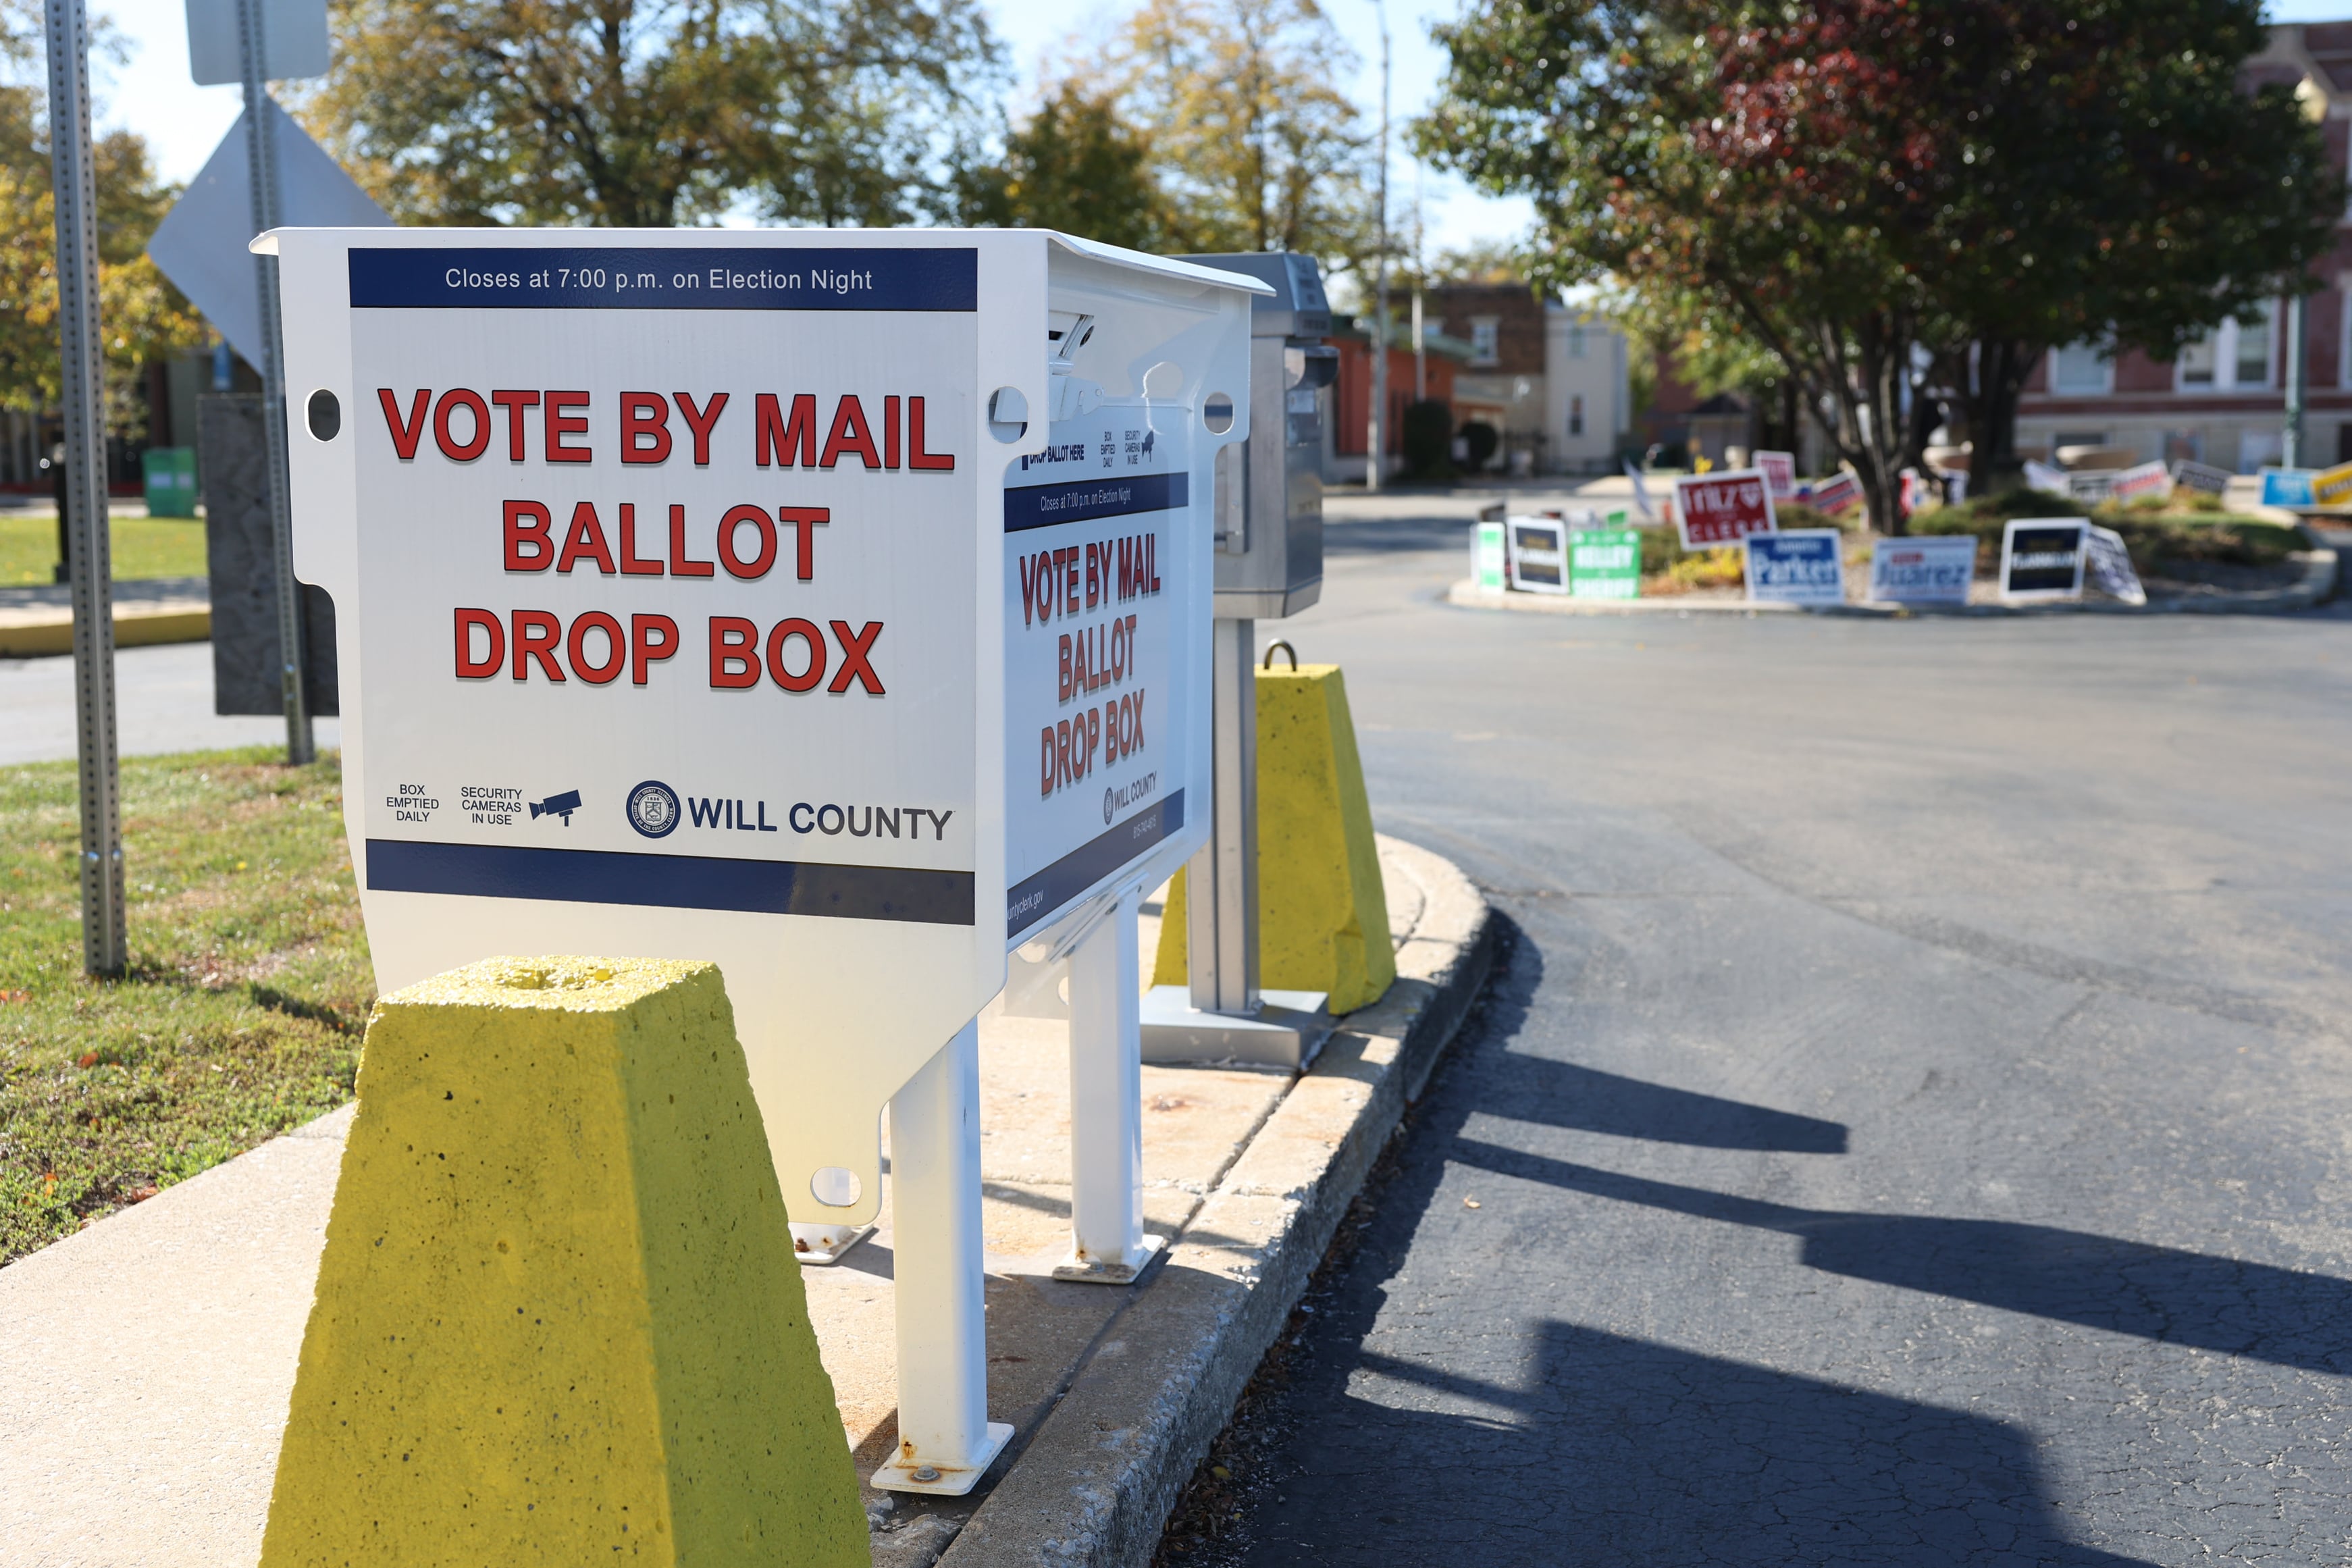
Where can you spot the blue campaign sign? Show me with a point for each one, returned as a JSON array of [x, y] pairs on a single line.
[[2287, 487], [1795, 566]]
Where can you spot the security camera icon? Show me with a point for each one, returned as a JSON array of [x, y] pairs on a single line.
[[562, 806]]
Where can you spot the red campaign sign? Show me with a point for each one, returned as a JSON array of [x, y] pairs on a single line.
[[1723, 509], [1835, 496]]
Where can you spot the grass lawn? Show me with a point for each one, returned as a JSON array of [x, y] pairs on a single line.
[[248, 991], [143, 547]]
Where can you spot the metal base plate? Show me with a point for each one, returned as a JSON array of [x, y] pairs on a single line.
[[1105, 1272], [822, 1246], [1287, 1031], [900, 1474]]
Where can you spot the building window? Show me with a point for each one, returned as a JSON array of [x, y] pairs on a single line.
[[1576, 341], [2236, 356], [1576, 415], [1485, 333], [2082, 370]]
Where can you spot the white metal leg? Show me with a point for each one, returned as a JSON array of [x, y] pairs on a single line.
[[946, 1440], [1107, 1241]]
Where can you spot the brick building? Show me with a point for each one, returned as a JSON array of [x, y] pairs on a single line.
[[1549, 379]]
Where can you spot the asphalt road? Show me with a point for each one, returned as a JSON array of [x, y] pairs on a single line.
[[1914, 1124], [163, 702]]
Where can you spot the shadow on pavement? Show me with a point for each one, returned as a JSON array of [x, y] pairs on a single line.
[[1615, 1450], [1395, 535], [1446, 1433], [1586, 1099], [1528, 1088], [2253, 1310]]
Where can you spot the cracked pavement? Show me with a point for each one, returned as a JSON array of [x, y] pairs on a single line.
[[1913, 1121]]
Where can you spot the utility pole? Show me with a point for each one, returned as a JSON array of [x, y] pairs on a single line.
[[1420, 348], [2291, 431], [103, 941], [1377, 436], [261, 159]]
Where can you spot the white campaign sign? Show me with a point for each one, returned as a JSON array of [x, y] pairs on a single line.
[[667, 575]]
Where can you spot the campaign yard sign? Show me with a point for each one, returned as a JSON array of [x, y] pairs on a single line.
[[2203, 477], [2287, 487], [2146, 480], [1487, 557], [2090, 486], [1604, 563], [1717, 509], [1779, 472], [2047, 478], [2332, 487], [1925, 569], [1537, 555], [2110, 563], [2042, 559], [712, 595], [1834, 496], [1799, 566]]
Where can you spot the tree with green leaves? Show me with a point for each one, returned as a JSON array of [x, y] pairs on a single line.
[[650, 113], [1854, 183], [1075, 166], [140, 315], [1251, 140], [2129, 189]]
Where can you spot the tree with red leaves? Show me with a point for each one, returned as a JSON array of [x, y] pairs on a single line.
[[1865, 185]]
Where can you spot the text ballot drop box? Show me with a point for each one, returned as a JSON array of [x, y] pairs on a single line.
[[834, 605]]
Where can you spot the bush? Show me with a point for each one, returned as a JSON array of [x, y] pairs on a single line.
[[2187, 531], [1480, 441], [1428, 440], [1793, 514]]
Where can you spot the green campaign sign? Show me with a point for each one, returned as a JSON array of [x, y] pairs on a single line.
[[1604, 563]]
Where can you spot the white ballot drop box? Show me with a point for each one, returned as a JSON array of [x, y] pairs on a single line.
[[831, 604]]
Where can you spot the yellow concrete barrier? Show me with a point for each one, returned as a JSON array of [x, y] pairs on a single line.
[[1323, 914], [559, 1321]]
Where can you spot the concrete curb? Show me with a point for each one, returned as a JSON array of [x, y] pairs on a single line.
[[33, 634], [2316, 584], [1095, 1485]]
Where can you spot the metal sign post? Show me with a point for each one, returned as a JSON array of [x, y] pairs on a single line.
[[261, 159], [84, 491]]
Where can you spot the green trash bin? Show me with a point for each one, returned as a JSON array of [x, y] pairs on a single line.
[[171, 473]]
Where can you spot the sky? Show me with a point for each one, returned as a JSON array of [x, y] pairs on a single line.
[[183, 123]]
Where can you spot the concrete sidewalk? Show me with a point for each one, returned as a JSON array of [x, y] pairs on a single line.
[[146, 1362], [38, 622]]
